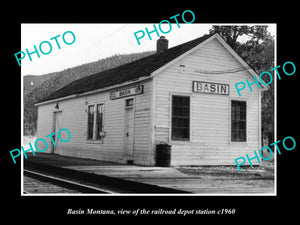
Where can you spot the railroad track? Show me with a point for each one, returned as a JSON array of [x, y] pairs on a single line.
[[51, 184]]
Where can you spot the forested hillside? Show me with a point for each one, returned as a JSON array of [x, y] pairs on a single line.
[[38, 87]]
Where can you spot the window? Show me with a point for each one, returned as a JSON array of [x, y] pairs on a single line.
[[238, 121], [90, 122], [181, 118], [99, 121], [129, 102], [95, 122]]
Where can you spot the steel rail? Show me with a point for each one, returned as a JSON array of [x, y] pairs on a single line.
[[66, 183]]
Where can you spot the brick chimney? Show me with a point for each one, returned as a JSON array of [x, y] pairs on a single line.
[[161, 44]]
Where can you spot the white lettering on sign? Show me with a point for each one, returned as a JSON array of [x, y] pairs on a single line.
[[127, 92], [211, 88]]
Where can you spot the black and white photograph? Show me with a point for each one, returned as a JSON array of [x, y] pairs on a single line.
[[138, 109], [137, 112]]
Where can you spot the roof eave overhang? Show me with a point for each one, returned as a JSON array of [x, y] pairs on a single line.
[[140, 79]]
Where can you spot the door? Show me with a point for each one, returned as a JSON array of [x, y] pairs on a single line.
[[128, 143], [56, 127]]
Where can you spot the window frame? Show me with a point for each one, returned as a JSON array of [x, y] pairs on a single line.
[[171, 118], [238, 140], [95, 138], [88, 122], [127, 100]]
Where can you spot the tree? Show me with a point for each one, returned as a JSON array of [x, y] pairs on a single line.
[[258, 52], [256, 35]]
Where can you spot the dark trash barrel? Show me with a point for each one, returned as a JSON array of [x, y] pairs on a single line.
[[163, 155]]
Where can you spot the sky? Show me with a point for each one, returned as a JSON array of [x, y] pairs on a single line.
[[97, 41]]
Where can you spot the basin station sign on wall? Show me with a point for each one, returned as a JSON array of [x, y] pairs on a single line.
[[127, 92], [211, 88]]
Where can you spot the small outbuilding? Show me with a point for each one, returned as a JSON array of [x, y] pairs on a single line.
[[184, 96]]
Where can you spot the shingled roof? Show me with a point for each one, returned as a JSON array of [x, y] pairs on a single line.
[[127, 72]]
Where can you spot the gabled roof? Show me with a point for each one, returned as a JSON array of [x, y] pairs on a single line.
[[135, 70], [127, 72]]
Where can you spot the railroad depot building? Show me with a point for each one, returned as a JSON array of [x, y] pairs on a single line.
[[184, 96]]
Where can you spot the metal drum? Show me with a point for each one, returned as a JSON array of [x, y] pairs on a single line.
[[163, 155]]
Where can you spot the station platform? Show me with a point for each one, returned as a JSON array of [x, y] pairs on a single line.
[[134, 179]]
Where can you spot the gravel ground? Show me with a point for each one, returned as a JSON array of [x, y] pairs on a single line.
[[264, 171], [261, 176]]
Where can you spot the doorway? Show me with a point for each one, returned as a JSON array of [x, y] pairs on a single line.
[[129, 119], [56, 127]]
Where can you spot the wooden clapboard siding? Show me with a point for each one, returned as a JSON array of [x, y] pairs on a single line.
[[44, 124], [74, 118], [210, 114], [142, 126], [210, 121]]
